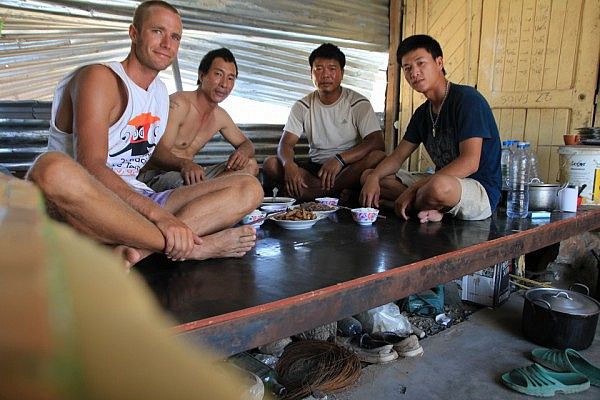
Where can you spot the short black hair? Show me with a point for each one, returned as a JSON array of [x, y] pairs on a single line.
[[415, 42], [328, 51], [209, 57]]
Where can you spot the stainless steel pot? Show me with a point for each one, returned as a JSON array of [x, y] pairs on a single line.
[[560, 319], [543, 196]]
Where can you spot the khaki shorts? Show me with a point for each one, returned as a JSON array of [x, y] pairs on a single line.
[[474, 203], [161, 181]]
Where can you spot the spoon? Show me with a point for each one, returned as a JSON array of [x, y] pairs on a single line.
[[275, 190]]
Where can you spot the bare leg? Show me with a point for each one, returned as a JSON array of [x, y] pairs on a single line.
[[275, 172], [391, 188], [439, 194], [314, 188], [75, 197], [386, 204], [232, 242], [250, 169], [348, 197], [130, 255], [210, 208], [349, 177]]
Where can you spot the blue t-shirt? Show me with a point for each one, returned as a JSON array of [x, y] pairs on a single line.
[[465, 114]]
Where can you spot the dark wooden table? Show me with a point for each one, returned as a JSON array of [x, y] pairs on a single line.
[[297, 280]]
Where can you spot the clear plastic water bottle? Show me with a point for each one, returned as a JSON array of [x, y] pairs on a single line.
[[349, 327], [505, 161], [263, 371], [518, 185], [534, 175]]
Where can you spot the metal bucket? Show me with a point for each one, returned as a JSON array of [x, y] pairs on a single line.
[[543, 196], [580, 165]]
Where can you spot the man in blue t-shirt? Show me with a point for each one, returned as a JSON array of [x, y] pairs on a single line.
[[458, 130]]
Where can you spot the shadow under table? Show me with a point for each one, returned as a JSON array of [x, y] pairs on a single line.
[[293, 281]]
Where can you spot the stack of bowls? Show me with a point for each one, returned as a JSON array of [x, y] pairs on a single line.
[[589, 136]]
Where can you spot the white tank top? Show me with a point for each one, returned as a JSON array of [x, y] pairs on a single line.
[[133, 138]]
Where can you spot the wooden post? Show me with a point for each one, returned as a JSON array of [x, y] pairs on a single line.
[[393, 77]]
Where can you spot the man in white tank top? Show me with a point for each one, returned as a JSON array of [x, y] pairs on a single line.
[[109, 118]]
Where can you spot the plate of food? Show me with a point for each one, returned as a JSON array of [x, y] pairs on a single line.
[[322, 210], [295, 219], [272, 204]]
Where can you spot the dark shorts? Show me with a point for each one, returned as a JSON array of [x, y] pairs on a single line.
[[310, 166]]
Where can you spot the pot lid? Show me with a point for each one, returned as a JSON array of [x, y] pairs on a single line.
[[544, 185], [565, 301]]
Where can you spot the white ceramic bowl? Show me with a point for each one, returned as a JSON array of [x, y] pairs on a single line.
[[365, 215], [256, 218], [271, 204], [278, 200], [330, 201], [294, 225], [275, 204], [270, 208]]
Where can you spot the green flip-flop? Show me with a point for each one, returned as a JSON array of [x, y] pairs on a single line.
[[538, 381], [568, 360]]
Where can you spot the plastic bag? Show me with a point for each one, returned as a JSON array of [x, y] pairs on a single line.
[[385, 318]]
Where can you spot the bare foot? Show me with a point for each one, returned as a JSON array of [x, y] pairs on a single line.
[[430, 216], [232, 242], [130, 255]]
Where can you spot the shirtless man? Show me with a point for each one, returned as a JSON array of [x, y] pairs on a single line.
[[194, 118], [112, 135]]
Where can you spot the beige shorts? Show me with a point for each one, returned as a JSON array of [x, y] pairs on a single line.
[[474, 203]]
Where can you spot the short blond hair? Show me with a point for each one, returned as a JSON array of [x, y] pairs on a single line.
[[142, 11]]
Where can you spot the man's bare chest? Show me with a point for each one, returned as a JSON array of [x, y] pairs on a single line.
[[193, 135]]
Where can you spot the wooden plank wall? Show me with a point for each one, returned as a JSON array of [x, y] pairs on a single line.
[[393, 77], [456, 25], [544, 71], [535, 61]]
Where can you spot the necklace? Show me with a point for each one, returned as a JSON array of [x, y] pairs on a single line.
[[434, 122]]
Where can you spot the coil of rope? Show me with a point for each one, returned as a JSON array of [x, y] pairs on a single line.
[[313, 366]]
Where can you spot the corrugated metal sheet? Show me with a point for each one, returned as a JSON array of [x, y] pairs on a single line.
[[43, 40], [24, 136]]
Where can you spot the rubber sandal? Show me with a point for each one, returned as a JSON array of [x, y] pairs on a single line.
[[538, 381], [568, 360]]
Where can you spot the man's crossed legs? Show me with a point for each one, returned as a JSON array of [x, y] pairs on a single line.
[[209, 209]]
